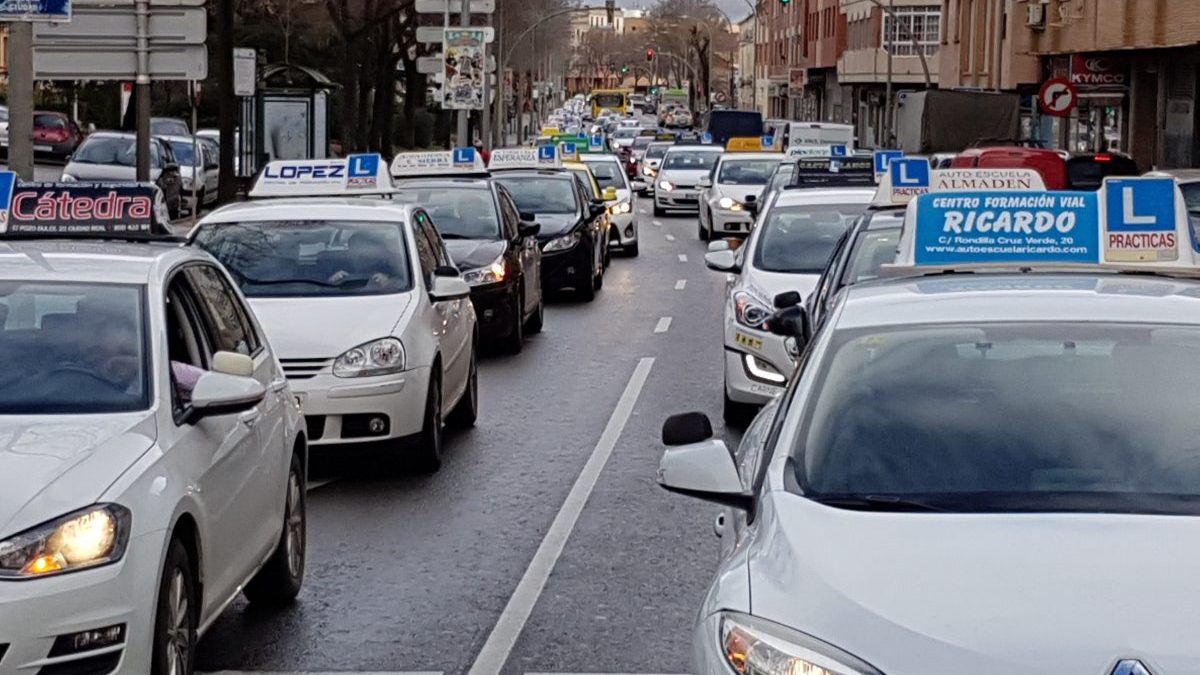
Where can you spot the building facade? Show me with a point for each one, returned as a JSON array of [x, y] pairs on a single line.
[[745, 96], [779, 49]]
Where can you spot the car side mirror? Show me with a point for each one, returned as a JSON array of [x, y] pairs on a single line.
[[597, 207], [787, 299], [704, 182], [233, 363], [528, 217], [722, 261], [446, 288], [698, 465], [221, 394], [790, 322], [719, 245], [528, 229]]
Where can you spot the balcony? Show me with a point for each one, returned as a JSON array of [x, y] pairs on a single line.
[[870, 66]]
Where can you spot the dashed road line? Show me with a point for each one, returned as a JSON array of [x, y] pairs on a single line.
[[657, 223], [682, 257], [663, 325], [670, 237], [679, 285], [500, 641]]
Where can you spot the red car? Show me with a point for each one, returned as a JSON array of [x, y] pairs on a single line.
[[55, 134]]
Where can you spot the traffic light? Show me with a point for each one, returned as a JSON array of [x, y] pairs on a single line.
[[649, 53], [785, 3], [624, 70]]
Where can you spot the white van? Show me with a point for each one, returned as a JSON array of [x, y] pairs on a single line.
[[788, 134]]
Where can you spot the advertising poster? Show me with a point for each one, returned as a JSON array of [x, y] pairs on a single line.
[[465, 69]]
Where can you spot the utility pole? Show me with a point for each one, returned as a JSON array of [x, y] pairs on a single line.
[[464, 116], [227, 102], [20, 93], [499, 104], [485, 114], [141, 87], [889, 43]]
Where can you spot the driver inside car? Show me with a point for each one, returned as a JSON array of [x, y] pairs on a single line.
[[366, 256]]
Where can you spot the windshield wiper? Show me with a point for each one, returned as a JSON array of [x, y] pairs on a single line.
[[452, 235], [314, 282], [869, 502]]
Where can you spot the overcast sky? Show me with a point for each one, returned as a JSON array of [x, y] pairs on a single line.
[[736, 9]]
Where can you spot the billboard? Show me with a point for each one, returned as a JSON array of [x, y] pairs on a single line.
[[465, 69]]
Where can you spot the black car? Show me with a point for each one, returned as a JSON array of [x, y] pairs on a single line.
[[495, 247], [858, 256], [1087, 171], [573, 235]]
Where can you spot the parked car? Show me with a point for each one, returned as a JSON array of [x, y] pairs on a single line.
[[54, 134], [112, 156], [169, 126], [197, 164]]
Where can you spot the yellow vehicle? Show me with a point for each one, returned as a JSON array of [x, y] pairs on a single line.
[[616, 100]]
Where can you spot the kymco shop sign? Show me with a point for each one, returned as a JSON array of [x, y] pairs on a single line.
[[1098, 71]]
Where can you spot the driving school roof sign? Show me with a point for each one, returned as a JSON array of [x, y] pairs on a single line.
[[1140, 214], [544, 156], [353, 176], [72, 209], [457, 161], [911, 177]]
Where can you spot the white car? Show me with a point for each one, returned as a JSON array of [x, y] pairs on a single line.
[[623, 210], [737, 181], [652, 161], [154, 461], [198, 170], [787, 250], [974, 458], [372, 321], [677, 186]]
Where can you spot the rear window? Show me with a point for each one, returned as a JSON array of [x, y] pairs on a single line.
[[1088, 172]]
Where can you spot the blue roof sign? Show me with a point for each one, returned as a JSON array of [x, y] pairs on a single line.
[[839, 150], [1129, 224], [355, 175], [464, 157], [596, 142], [910, 177], [768, 143], [543, 156], [706, 138], [437, 163], [35, 10], [883, 158]]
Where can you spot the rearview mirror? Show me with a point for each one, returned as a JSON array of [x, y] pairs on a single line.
[[527, 229], [697, 465], [722, 261], [446, 288], [171, 166], [597, 208], [221, 394]]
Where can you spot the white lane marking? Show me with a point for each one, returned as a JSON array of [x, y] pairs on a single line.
[[680, 284], [516, 613], [682, 257], [670, 237], [657, 223], [664, 324]]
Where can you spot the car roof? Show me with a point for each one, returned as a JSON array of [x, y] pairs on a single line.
[[311, 208], [698, 147], [598, 157], [752, 155], [794, 197], [870, 222], [106, 261], [476, 182], [1014, 297]]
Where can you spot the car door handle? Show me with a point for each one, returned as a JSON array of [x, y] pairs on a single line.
[[279, 384], [250, 417]]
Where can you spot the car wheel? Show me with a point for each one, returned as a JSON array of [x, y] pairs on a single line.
[[631, 250], [586, 290], [516, 333], [705, 234], [738, 414], [539, 316], [278, 582], [174, 640], [467, 410], [428, 453], [659, 211]]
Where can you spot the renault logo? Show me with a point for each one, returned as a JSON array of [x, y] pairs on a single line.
[[1131, 667]]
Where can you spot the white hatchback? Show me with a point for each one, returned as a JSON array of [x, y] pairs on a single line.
[[152, 457], [735, 184]]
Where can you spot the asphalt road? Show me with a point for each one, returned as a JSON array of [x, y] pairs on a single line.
[[544, 544]]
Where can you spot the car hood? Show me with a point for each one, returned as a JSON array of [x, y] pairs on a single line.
[[105, 172], [682, 176], [949, 594], [554, 224], [739, 192], [51, 465], [471, 253], [767, 285], [323, 328]]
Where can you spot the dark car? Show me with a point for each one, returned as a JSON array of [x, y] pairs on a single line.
[[495, 248], [572, 232], [55, 135], [858, 256], [112, 156], [1086, 171]]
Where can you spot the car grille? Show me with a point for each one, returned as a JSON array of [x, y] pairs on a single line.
[[684, 187], [303, 369]]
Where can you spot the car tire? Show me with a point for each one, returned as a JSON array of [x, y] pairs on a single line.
[[174, 638], [737, 414], [428, 453], [587, 290], [466, 411], [705, 233], [515, 340], [659, 211], [631, 250], [278, 583], [535, 322]]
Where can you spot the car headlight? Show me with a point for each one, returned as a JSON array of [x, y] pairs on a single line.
[[492, 273], [749, 310], [621, 207], [729, 204], [665, 186], [563, 243], [96, 535], [378, 357], [67, 178], [752, 646]]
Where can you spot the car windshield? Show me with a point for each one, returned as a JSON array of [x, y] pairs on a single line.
[[641, 142], [627, 132], [608, 174], [654, 151], [782, 177], [43, 121], [800, 239], [168, 127], [310, 258], [746, 171], [1009, 417], [457, 212], [112, 150], [873, 248], [1191, 195], [81, 348], [691, 161], [183, 153], [585, 179], [540, 194]]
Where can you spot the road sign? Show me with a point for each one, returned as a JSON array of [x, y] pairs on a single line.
[[178, 62], [437, 33], [883, 158], [429, 65], [117, 26], [35, 10], [454, 6], [1058, 97], [245, 71], [1140, 218]]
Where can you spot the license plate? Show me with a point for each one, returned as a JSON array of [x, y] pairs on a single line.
[[42, 148], [747, 341]]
